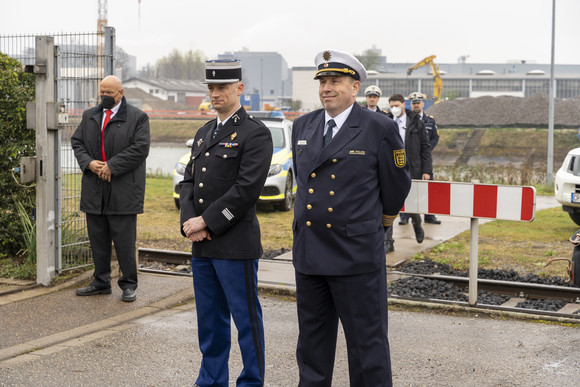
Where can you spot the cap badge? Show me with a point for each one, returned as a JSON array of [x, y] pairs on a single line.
[[325, 65], [213, 73], [326, 55]]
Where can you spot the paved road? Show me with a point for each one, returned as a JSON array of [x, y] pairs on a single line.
[[55, 339], [428, 349]]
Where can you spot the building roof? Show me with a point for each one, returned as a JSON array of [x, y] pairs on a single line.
[[172, 84]]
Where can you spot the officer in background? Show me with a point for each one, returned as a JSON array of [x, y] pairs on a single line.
[[418, 152], [372, 95], [418, 104], [352, 179], [230, 159]]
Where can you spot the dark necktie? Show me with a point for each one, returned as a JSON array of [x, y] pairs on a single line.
[[216, 130], [108, 113], [328, 135]]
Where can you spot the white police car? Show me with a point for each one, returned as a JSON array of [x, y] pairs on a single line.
[[280, 186], [567, 185]]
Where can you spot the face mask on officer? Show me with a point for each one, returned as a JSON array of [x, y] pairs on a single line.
[[396, 111], [107, 101]]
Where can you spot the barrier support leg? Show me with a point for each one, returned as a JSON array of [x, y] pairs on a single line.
[[473, 261]]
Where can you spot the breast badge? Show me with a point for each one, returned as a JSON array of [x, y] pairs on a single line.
[[399, 157]]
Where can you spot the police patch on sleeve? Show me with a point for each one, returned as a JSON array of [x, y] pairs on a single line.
[[400, 158]]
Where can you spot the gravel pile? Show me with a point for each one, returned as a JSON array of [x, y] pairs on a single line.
[[418, 287], [506, 111], [548, 305], [428, 266]]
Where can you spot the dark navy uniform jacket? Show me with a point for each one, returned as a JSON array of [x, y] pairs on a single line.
[[346, 192], [431, 128], [222, 183], [377, 111]]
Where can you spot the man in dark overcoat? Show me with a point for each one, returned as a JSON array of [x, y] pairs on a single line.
[[418, 150], [352, 181], [418, 104], [111, 145], [230, 159]]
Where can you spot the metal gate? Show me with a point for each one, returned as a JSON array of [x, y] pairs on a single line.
[[81, 60]]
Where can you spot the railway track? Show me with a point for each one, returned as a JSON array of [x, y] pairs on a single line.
[[514, 292]]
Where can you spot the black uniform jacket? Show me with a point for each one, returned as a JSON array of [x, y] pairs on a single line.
[[346, 192], [222, 183], [126, 147], [417, 146], [378, 110], [431, 127]]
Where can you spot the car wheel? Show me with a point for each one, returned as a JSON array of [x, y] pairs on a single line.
[[176, 203], [575, 216], [286, 204]]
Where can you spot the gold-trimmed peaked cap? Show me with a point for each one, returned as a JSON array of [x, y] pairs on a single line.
[[223, 71], [337, 63]]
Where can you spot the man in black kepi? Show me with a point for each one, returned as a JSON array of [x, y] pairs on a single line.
[[230, 159], [352, 181]]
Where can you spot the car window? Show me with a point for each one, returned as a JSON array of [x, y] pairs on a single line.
[[277, 137]]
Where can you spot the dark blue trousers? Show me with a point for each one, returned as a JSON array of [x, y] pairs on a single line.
[[227, 288], [360, 302]]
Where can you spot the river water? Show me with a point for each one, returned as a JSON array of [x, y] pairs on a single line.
[[161, 160]]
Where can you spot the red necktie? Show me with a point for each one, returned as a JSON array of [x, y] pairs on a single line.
[[108, 113]]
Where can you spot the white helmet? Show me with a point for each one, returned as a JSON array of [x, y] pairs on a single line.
[[373, 90]]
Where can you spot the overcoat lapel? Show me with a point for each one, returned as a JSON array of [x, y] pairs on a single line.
[[314, 137], [349, 130]]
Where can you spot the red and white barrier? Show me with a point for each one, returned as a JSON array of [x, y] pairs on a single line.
[[472, 200]]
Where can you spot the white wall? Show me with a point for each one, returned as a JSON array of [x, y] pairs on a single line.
[[305, 89]]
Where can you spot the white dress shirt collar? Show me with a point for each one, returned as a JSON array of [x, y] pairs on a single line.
[[339, 119]]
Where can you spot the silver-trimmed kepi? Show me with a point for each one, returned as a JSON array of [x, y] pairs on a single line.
[[223, 71]]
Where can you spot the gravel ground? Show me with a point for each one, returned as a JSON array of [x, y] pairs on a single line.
[[428, 266], [418, 287], [506, 111]]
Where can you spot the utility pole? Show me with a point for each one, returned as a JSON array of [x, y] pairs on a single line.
[[551, 106], [46, 232]]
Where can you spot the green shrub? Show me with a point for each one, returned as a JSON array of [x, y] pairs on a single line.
[[16, 89]]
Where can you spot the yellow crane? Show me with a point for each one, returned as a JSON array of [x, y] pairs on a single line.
[[437, 82]]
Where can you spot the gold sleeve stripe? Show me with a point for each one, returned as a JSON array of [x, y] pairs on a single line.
[[388, 219]]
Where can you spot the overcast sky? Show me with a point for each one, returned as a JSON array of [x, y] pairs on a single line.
[[493, 31]]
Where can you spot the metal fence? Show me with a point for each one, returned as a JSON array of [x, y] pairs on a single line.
[[81, 60]]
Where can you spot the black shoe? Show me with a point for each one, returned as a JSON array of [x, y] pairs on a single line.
[[403, 222], [432, 219], [419, 233], [129, 295], [389, 247], [92, 290]]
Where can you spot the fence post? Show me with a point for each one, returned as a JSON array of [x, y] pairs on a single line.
[[473, 260], [45, 148]]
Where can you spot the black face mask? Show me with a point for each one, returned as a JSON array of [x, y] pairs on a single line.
[[107, 101]]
